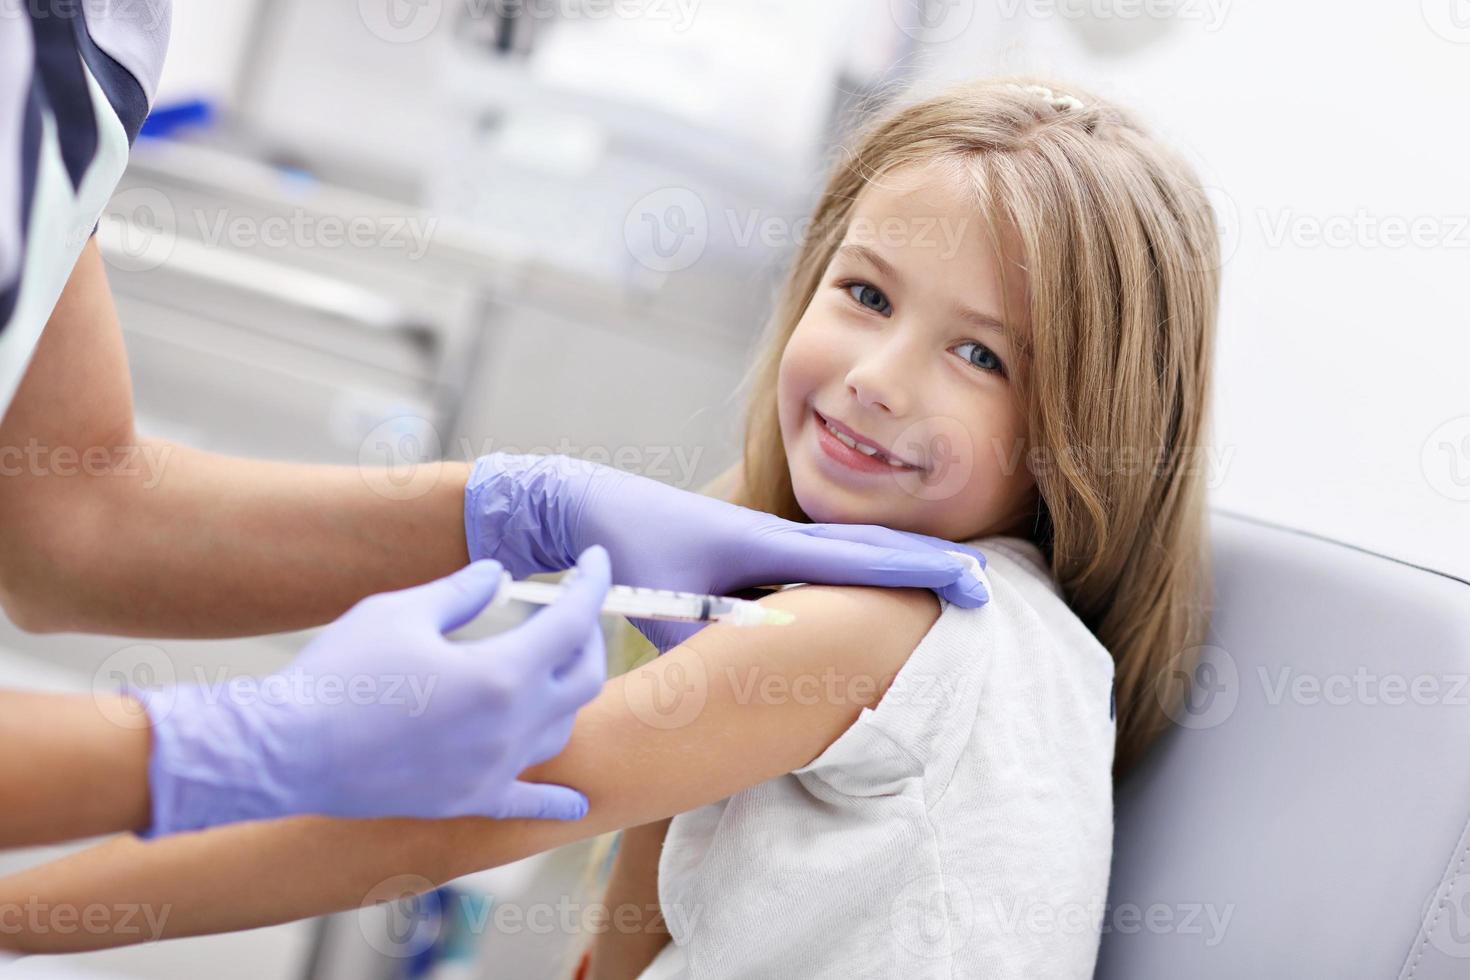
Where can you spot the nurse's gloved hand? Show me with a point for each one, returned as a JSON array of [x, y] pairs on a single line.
[[381, 715], [533, 513]]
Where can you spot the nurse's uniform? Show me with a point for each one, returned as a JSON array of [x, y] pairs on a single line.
[[76, 82]]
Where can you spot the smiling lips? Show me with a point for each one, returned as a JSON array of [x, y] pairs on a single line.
[[856, 451]]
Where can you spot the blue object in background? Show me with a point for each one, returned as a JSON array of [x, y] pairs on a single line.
[[165, 120], [430, 917], [449, 925]]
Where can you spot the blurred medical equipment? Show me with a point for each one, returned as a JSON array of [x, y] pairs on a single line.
[[259, 323], [547, 125]]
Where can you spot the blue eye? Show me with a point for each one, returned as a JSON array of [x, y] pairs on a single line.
[[980, 356], [870, 297]]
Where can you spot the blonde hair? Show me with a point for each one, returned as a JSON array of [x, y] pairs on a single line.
[[1122, 257]]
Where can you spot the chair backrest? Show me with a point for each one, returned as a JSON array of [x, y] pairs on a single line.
[[1307, 815]]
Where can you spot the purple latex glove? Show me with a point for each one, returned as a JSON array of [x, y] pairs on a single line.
[[533, 513], [381, 715]]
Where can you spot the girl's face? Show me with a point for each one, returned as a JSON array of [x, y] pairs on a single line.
[[899, 352]]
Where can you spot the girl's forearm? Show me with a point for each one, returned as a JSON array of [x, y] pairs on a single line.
[[637, 929]]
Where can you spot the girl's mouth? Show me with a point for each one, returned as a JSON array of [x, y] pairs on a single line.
[[843, 445]]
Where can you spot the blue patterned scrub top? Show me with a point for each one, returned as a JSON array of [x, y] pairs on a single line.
[[77, 79]]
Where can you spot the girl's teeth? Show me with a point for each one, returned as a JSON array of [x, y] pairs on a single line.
[[866, 450], [843, 438]]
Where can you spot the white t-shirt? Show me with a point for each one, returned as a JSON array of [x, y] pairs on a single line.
[[963, 828]]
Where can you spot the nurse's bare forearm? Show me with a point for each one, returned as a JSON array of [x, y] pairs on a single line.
[[102, 530], [225, 547], [210, 546]]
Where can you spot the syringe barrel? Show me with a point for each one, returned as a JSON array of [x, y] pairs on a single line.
[[636, 603], [624, 600]]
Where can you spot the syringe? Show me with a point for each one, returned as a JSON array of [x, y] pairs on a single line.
[[639, 603]]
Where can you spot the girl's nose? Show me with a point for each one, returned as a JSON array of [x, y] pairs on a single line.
[[884, 378]]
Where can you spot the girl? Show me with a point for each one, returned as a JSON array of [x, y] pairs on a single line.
[[999, 332]]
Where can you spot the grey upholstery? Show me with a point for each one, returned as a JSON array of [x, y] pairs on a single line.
[[1307, 817]]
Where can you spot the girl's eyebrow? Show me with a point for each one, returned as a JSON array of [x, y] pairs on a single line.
[[865, 254], [975, 318], [982, 321]]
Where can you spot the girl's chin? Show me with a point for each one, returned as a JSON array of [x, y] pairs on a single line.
[[824, 507]]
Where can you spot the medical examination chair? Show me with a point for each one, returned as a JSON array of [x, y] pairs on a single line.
[[1313, 798]]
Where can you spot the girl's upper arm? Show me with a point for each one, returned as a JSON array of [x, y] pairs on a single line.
[[732, 707]]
